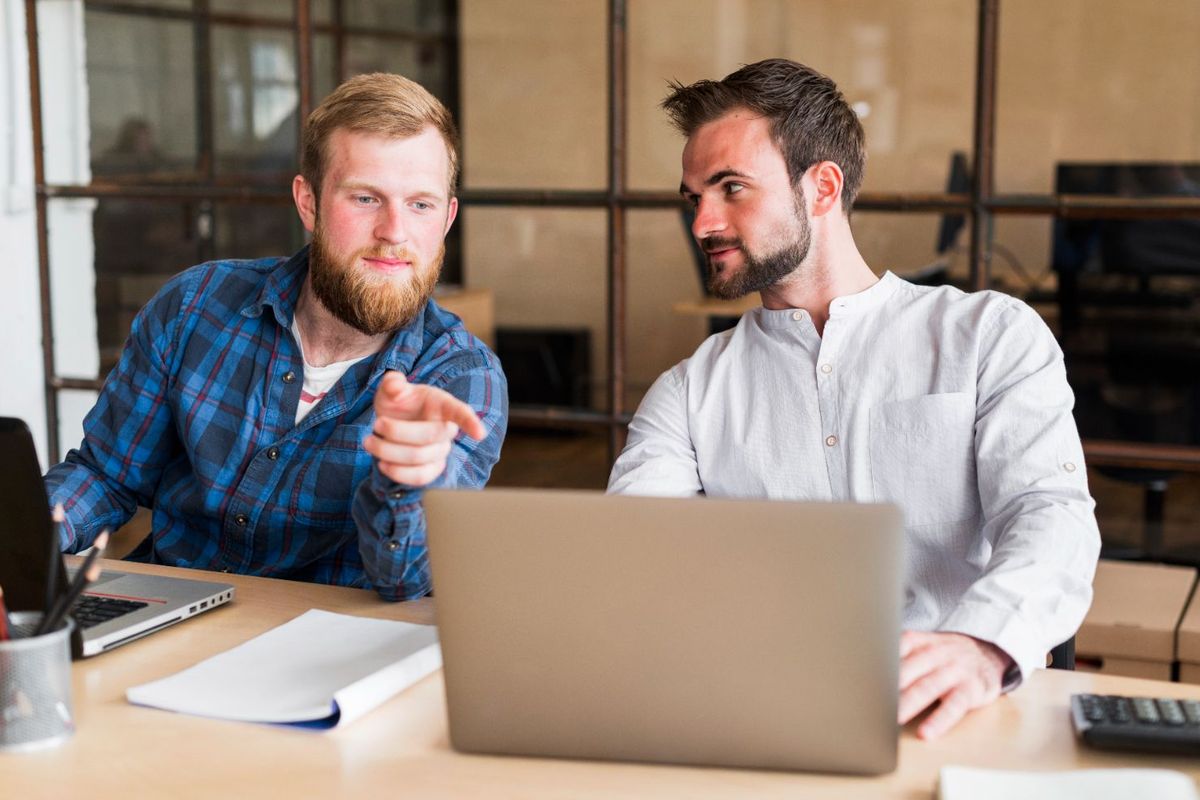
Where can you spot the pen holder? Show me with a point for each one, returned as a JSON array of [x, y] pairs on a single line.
[[35, 685]]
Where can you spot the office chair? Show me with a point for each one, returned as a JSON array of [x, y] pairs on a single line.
[[1063, 656]]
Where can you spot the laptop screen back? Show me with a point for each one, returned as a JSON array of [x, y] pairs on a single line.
[[28, 546], [702, 631]]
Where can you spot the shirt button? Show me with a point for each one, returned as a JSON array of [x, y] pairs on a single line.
[[1069, 466], [273, 453], [289, 377], [797, 315], [831, 440], [826, 368], [241, 520], [392, 545], [225, 569], [396, 494]]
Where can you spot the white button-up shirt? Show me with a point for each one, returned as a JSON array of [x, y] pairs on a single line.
[[954, 406]]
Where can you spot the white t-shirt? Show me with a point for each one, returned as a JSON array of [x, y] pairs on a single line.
[[317, 380]]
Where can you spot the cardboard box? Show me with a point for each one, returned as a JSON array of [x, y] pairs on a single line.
[[476, 308], [1188, 644], [1131, 627]]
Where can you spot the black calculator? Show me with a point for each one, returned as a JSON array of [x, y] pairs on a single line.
[[1146, 724]]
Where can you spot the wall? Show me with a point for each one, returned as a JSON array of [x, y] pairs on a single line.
[[1078, 79], [64, 97], [20, 356]]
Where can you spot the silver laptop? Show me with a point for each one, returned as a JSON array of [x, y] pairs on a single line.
[[698, 631], [118, 607]]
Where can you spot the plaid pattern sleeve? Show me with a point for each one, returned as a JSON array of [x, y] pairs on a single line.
[[389, 514], [197, 421]]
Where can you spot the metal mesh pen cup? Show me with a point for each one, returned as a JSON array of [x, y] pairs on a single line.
[[35, 685]]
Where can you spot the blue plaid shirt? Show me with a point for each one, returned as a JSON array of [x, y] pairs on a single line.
[[198, 422]]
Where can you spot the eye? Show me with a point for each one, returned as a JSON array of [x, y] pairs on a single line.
[[693, 200], [421, 205], [363, 199], [733, 187]]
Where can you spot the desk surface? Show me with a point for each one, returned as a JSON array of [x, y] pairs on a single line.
[[402, 747]]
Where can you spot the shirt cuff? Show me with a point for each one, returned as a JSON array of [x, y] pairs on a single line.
[[1006, 630]]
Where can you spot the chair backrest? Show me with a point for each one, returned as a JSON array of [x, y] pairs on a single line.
[[1063, 656]]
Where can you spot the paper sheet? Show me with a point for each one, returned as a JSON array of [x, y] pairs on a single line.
[[320, 669], [967, 783]]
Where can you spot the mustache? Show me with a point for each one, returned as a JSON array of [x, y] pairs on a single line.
[[391, 254], [711, 243]]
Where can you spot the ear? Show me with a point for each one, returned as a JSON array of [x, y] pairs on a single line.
[[306, 202], [827, 180], [451, 215]]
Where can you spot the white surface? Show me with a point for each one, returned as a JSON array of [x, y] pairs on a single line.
[[1085, 784], [302, 671]]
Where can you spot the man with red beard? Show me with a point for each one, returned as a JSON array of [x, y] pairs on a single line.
[[282, 416], [849, 386]]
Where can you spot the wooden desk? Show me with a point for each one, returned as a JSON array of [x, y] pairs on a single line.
[[713, 307], [401, 749]]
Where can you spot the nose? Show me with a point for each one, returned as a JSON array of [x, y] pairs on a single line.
[[709, 219], [389, 225]]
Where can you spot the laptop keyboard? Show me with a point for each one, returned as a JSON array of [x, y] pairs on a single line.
[[90, 610]]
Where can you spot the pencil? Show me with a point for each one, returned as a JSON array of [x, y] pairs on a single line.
[[4, 629], [87, 573], [55, 567]]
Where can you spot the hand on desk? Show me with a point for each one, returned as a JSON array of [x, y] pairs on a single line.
[[415, 426], [960, 671]]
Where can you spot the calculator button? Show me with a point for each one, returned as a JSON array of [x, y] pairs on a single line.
[[1145, 710], [1171, 713], [1191, 710], [1119, 709]]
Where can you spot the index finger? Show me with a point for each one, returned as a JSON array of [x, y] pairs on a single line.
[[450, 409]]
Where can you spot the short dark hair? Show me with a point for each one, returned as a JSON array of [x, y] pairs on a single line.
[[810, 119]]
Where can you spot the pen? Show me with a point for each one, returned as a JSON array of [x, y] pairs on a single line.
[[59, 516], [3, 618], [86, 574]]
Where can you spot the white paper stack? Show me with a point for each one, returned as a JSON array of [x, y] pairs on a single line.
[[319, 670]]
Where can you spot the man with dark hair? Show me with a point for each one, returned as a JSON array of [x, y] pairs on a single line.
[[282, 416], [849, 387]]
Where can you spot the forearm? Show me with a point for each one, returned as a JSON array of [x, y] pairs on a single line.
[[659, 458], [90, 501], [1037, 585], [391, 538], [391, 522], [1038, 518]]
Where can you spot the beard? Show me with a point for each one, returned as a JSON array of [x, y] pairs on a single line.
[[759, 272], [370, 303]]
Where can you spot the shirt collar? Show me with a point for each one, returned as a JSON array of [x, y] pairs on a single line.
[[281, 289], [849, 305], [281, 292], [870, 298]]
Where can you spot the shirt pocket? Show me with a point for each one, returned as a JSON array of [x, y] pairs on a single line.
[[923, 457]]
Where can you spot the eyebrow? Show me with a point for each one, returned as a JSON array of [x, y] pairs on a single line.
[[713, 179]]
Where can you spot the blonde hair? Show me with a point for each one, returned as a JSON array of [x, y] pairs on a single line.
[[381, 103]]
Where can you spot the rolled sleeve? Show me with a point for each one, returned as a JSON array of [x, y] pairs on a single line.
[[1037, 511]]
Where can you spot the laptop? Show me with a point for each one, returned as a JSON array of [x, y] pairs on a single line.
[[738, 633], [115, 609]]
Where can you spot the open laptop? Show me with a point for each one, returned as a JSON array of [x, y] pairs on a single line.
[[701, 631], [118, 607]]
